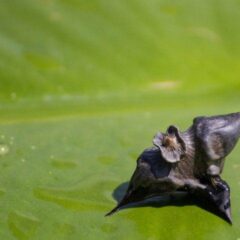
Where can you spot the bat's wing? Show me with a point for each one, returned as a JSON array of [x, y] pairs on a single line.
[[217, 135], [216, 198], [150, 168]]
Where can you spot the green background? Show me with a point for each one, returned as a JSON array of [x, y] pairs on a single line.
[[84, 85]]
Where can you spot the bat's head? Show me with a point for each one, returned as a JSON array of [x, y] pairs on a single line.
[[171, 144]]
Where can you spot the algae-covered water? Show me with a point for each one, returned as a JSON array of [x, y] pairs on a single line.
[[84, 87]]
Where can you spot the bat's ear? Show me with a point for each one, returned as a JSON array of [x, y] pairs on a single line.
[[171, 145], [158, 139]]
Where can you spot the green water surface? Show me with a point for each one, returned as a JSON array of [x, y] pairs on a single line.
[[84, 86]]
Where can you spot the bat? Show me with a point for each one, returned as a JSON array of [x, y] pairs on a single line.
[[190, 161]]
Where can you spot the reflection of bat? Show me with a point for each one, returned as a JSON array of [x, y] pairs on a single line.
[[188, 161]]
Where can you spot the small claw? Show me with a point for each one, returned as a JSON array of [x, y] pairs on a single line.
[[213, 182]]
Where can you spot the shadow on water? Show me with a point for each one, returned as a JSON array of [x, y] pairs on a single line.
[[178, 199]]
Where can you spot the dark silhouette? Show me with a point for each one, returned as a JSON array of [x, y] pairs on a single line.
[[189, 162]]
